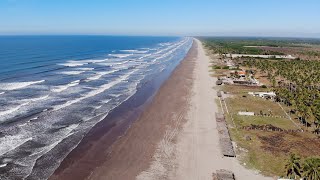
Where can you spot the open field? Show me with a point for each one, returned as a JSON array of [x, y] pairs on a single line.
[[269, 151], [254, 104], [266, 151]]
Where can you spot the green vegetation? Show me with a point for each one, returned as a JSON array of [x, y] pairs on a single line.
[[282, 123], [265, 142], [225, 45], [270, 42], [236, 48], [309, 168], [297, 84], [216, 67]]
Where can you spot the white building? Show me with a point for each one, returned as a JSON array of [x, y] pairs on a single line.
[[244, 113], [263, 94]]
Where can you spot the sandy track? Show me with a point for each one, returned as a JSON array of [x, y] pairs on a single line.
[[193, 152]]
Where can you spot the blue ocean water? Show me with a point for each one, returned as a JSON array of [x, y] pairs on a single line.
[[56, 87]]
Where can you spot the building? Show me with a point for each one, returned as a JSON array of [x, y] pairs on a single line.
[[267, 95], [241, 73], [242, 113]]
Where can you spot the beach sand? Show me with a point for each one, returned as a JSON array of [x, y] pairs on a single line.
[[195, 154], [174, 137]]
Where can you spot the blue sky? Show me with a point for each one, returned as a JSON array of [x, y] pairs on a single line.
[[162, 17]]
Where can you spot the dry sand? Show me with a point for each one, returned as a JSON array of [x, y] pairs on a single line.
[[196, 154]]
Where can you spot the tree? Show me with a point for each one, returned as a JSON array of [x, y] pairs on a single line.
[[311, 169], [293, 166]]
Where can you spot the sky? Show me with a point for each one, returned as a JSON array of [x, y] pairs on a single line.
[[286, 18]]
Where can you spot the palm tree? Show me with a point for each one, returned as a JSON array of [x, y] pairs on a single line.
[[311, 169], [293, 167]]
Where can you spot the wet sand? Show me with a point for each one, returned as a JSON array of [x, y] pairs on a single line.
[[98, 157]]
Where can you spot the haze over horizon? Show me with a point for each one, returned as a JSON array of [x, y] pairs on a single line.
[[287, 18]]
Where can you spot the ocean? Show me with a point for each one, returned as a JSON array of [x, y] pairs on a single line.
[[54, 89]]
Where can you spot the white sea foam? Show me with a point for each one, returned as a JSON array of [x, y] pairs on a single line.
[[72, 72], [99, 75], [93, 61], [8, 143], [35, 118], [112, 63], [129, 50], [11, 110], [3, 165], [82, 62], [64, 87], [78, 70], [2, 93], [94, 92], [85, 69], [18, 85], [73, 63], [66, 131], [25, 102], [120, 55], [134, 51], [145, 56], [174, 48], [38, 99]]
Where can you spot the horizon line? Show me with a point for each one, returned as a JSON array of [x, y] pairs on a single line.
[[163, 35]]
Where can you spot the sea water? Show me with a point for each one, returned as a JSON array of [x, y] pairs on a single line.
[[54, 89]]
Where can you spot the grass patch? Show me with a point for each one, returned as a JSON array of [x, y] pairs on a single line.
[[253, 104], [259, 120], [266, 152], [253, 156], [233, 89]]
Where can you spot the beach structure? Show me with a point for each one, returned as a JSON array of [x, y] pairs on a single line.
[[241, 73], [267, 95], [244, 113], [242, 82], [223, 174], [224, 136], [219, 82]]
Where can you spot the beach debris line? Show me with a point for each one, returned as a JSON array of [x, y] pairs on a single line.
[[223, 174], [224, 136]]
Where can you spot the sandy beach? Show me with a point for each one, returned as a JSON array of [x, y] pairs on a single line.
[[175, 137], [195, 152]]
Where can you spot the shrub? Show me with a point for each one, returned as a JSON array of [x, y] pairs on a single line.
[[216, 67], [225, 67]]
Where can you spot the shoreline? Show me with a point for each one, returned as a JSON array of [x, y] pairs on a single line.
[[99, 148], [174, 137]]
